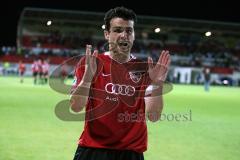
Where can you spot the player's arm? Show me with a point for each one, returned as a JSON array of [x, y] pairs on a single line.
[[79, 97], [154, 103], [157, 74], [80, 94]]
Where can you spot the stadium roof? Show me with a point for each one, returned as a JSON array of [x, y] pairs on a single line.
[[197, 10], [66, 18]]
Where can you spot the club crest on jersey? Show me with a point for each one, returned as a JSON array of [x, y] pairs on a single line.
[[135, 76]]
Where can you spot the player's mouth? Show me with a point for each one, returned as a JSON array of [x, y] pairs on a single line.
[[124, 45]]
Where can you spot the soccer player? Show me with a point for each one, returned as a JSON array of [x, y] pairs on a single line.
[[207, 78], [21, 70], [35, 71], [45, 70], [113, 87], [40, 71]]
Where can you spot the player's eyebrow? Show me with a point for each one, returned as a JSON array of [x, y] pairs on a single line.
[[119, 27]]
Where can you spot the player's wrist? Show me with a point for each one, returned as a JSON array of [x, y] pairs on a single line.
[[157, 83]]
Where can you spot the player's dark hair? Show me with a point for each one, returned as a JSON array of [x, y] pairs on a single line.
[[120, 12]]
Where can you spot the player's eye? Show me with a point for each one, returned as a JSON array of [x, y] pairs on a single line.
[[129, 31], [118, 30]]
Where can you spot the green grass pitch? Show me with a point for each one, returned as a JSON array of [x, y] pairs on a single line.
[[29, 128]]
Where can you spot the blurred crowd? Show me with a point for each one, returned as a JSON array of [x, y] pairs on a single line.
[[186, 51]]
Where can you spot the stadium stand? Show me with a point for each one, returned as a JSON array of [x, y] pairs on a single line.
[[72, 30]]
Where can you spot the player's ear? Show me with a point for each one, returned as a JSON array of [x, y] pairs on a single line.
[[106, 35]]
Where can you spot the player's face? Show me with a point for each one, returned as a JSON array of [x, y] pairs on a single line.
[[120, 36]]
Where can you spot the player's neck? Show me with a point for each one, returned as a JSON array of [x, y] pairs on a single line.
[[120, 58]]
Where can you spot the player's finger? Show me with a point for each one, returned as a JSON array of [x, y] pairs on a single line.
[[166, 58], [95, 53], [150, 62], [161, 57], [168, 61], [88, 49], [88, 53], [93, 57], [93, 60]]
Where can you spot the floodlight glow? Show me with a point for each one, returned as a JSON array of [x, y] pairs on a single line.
[[207, 34], [49, 23], [103, 27], [157, 30]]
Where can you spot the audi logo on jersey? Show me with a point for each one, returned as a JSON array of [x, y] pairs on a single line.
[[120, 89]]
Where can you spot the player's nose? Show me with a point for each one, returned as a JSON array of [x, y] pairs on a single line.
[[123, 34]]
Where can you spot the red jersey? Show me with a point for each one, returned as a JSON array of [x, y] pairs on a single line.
[[21, 67], [115, 112]]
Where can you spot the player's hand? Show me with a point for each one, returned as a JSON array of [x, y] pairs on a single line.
[[90, 64], [158, 73]]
